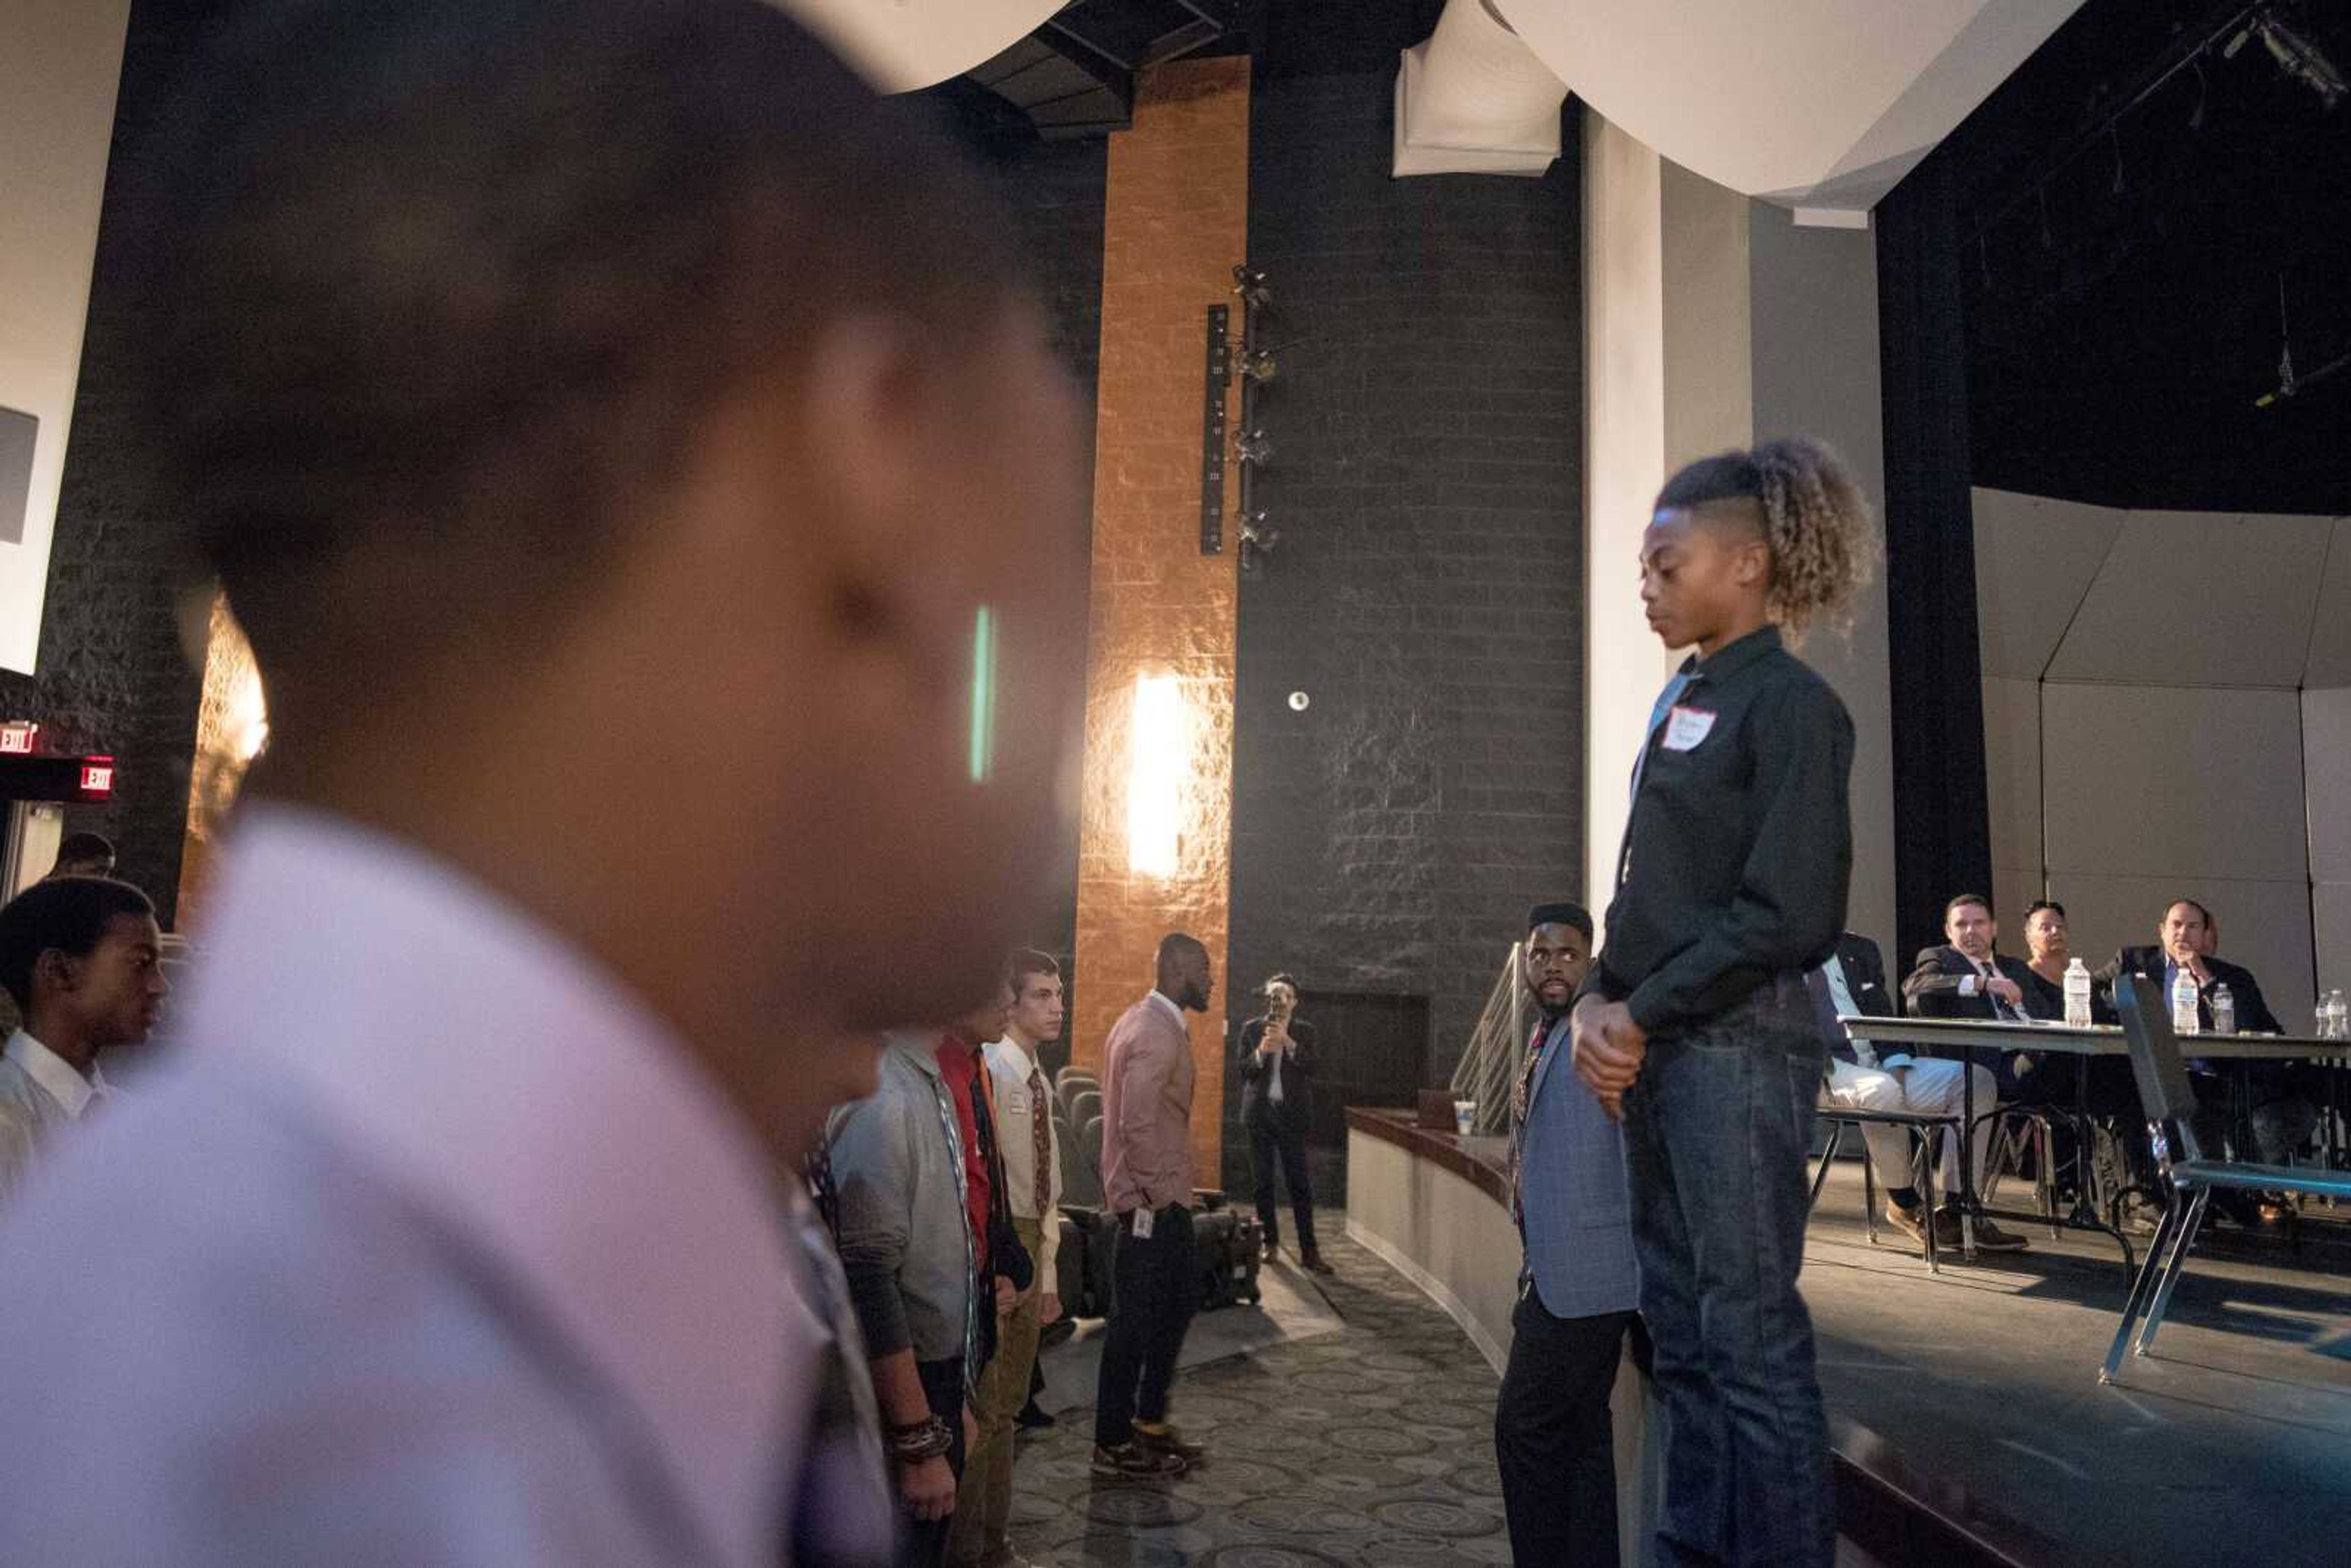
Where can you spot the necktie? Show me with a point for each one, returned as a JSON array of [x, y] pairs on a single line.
[[1040, 1139], [1273, 1094], [1999, 1009], [1522, 1095]]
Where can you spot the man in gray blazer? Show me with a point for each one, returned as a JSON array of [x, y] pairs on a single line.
[[1579, 1287]]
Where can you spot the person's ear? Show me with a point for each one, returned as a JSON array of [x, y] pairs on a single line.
[[55, 970]]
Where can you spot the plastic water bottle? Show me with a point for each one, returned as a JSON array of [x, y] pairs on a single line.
[[2077, 995], [2224, 1011], [2183, 1004]]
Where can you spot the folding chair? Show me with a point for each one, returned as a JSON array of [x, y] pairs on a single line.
[[1919, 1121], [2170, 1102]]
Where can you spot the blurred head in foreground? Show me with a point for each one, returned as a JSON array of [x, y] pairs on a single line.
[[643, 483]]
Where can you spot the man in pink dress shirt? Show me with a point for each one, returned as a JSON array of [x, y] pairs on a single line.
[[1146, 1166], [604, 416]]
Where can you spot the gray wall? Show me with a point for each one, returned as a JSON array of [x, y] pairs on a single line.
[[2167, 712], [1427, 592]]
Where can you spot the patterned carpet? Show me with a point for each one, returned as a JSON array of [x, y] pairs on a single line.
[[1373, 1444]]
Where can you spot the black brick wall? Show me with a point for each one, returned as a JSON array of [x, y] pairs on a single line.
[[1427, 591], [114, 675]]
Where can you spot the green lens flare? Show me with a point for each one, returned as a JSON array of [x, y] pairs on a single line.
[[983, 695]]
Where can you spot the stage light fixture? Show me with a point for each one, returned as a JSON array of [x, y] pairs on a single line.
[[1254, 447], [1250, 285]]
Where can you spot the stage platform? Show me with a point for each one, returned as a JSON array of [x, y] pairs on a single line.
[[1966, 1418], [1975, 1392]]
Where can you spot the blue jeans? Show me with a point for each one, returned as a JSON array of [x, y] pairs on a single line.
[[1716, 1134]]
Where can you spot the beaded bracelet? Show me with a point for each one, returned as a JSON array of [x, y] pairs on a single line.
[[925, 1439]]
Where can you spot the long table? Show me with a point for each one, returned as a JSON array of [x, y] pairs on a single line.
[[1964, 1036]]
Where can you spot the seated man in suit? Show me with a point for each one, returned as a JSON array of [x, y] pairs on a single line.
[[1852, 982], [1968, 978], [2279, 1115]]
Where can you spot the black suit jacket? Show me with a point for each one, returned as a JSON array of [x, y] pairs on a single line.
[[2252, 1007], [1932, 989], [1297, 1076], [1865, 979]]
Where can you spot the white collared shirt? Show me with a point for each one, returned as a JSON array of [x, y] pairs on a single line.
[[393, 1087], [1016, 1109], [45, 1067], [1173, 1010]]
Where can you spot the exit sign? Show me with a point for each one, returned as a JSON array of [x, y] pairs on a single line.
[[16, 739], [98, 779]]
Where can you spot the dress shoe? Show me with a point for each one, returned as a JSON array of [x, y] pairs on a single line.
[[1314, 1264], [1132, 1461], [1030, 1419], [1911, 1222], [1166, 1437]]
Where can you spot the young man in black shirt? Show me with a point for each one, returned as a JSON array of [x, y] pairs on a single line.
[[1695, 1027]]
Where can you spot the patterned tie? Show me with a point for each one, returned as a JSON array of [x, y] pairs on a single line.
[[1040, 1138], [1522, 1094]]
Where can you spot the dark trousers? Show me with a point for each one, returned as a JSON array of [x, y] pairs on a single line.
[[923, 1543], [1553, 1437], [1158, 1287], [1271, 1141], [1716, 1134]]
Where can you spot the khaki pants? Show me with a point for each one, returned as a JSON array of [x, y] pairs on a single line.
[[982, 1512]]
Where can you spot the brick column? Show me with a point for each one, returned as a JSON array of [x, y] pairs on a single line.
[[1176, 224]]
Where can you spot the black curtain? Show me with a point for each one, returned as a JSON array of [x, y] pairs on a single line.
[[1942, 838]]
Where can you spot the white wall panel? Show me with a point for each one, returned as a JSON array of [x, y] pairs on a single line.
[[2330, 637], [2012, 770], [2203, 599], [59, 63], [2326, 777], [2264, 925], [2331, 907], [2035, 559], [2173, 782]]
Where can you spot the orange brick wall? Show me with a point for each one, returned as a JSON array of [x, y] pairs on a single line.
[[1176, 224]]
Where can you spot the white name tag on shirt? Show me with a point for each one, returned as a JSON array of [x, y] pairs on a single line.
[[1143, 1225], [1686, 726], [1016, 1101]]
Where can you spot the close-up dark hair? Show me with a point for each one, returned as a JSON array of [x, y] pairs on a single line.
[[1560, 913], [68, 915], [1964, 899], [2038, 905], [75, 848], [1817, 523], [455, 280]]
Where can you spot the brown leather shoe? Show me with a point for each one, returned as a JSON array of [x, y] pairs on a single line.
[[1990, 1237], [1911, 1222]]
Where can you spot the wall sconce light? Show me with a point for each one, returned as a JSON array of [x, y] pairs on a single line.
[[1159, 761], [1258, 541]]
